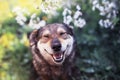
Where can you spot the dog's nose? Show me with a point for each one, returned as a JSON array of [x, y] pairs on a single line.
[[56, 46]]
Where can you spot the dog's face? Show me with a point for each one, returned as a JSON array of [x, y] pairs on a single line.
[[54, 41]]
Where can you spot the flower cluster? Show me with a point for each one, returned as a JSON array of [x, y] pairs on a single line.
[[75, 19], [50, 6], [108, 10], [68, 3], [34, 22], [20, 15]]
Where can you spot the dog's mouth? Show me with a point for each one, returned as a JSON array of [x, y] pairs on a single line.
[[58, 56]]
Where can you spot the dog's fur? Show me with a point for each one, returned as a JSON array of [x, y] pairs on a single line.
[[53, 47]]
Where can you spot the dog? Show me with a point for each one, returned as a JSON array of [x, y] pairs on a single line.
[[53, 50]]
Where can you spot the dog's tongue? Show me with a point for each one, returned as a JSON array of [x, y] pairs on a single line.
[[57, 55]]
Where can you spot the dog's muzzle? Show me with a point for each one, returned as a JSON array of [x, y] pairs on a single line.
[[56, 45], [59, 57]]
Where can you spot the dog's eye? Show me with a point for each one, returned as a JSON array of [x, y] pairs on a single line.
[[62, 33], [46, 36]]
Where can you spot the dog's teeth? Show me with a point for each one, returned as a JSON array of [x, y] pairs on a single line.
[[58, 57]]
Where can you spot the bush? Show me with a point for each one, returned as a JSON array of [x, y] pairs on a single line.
[[98, 46]]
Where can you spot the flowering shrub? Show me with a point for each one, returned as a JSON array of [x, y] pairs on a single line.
[[50, 6], [21, 18], [96, 26], [107, 9], [75, 19]]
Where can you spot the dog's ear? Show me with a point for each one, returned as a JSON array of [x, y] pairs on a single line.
[[70, 30], [34, 36]]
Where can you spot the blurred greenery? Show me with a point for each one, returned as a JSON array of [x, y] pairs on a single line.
[[99, 46]]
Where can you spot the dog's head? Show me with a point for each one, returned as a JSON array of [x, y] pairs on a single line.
[[54, 41]]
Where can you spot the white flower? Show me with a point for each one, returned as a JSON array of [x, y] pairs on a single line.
[[35, 22], [64, 19], [33, 16], [37, 19], [39, 25], [21, 23], [21, 19], [42, 23], [107, 23], [109, 15], [114, 13], [80, 23], [105, 3], [69, 11], [101, 8], [16, 9], [101, 23], [93, 8], [77, 14], [44, 9], [103, 13], [76, 23], [97, 6], [78, 7], [112, 5], [31, 23], [67, 3], [69, 19], [35, 26], [64, 12], [94, 2]]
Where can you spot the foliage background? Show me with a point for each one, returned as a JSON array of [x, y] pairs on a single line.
[[99, 46]]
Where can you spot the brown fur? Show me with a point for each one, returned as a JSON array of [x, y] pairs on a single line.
[[46, 71]]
